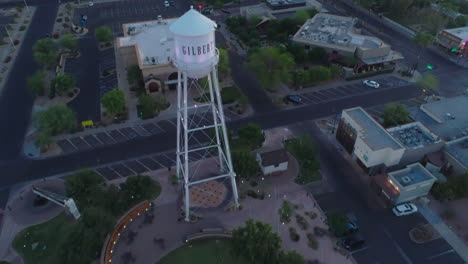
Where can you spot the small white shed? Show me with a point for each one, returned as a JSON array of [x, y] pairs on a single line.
[[271, 161]]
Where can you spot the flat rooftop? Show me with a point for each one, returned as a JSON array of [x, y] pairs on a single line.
[[413, 135], [332, 30], [373, 133], [153, 40], [447, 118], [461, 32], [412, 174], [459, 150]]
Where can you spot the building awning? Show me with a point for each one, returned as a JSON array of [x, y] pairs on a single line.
[[392, 56]]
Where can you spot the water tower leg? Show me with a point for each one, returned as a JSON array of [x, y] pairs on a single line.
[[186, 150], [215, 119], [187, 203], [178, 161]]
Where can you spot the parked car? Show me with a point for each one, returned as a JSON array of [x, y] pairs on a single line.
[[353, 241], [166, 3], [295, 99], [372, 84], [352, 224], [171, 3], [90, 4], [226, 11], [405, 209]]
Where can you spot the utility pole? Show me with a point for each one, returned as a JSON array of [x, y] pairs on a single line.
[[9, 36]]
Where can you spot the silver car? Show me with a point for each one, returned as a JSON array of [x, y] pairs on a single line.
[[372, 84], [405, 209]]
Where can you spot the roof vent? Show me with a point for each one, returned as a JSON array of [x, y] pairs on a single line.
[[406, 179]]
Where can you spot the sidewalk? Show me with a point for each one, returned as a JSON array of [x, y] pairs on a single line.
[[455, 242]]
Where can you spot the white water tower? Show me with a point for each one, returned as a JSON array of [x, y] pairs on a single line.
[[196, 57]]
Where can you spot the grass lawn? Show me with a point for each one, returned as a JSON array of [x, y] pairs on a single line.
[[203, 252], [228, 94], [49, 236]]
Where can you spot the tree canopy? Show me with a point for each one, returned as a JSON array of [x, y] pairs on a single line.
[[423, 39], [428, 83], [36, 83], [55, 119], [337, 223], [46, 52], [256, 242], [139, 187], [317, 54], [244, 163], [395, 114], [134, 74], [223, 64], [69, 42], [272, 66], [114, 101], [103, 34], [252, 135], [63, 83], [291, 257]]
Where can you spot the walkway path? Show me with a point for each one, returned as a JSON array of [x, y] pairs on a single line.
[[444, 231]]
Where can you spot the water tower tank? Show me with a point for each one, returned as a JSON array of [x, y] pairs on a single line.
[[195, 47]]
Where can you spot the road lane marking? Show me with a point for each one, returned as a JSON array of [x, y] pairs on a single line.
[[400, 250], [441, 254]]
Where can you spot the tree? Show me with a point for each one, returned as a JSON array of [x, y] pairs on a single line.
[[291, 257], [83, 186], [148, 105], [134, 74], [335, 70], [301, 16], [161, 103], [114, 101], [298, 52], [252, 135], [319, 73], [46, 52], [349, 61], [63, 83], [318, 54], [395, 114], [103, 34], [428, 83], [55, 119], [423, 40], [337, 222], [271, 66], [36, 83], [139, 188], [43, 141], [244, 163], [223, 64], [69, 42], [256, 242]]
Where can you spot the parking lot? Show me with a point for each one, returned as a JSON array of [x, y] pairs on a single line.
[[107, 64], [144, 129], [158, 161], [348, 90]]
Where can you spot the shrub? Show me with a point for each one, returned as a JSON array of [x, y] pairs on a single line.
[[66, 19], [59, 20], [311, 215], [253, 183], [7, 59], [256, 195], [16, 42], [301, 222], [22, 28], [71, 94], [313, 242], [26, 22], [293, 234], [65, 25], [56, 35], [173, 179]]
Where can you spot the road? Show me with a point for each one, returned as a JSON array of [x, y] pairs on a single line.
[[386, 235]]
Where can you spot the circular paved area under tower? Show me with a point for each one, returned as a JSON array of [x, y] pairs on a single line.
[[208, 194]]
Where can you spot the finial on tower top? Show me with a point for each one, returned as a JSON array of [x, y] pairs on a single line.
[[191, 7]]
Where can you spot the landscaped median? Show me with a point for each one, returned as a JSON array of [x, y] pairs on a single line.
[[65, 240]]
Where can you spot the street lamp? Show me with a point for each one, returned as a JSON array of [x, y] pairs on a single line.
[[26, 4]]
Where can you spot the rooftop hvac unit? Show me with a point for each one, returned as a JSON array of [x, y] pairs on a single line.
[[406, 179]]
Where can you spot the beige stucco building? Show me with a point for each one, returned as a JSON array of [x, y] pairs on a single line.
[[150, 45]]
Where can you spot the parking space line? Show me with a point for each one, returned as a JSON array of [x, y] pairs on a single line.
[[328, 93], [306, 99], [143, 165], [440, 254], [116, 172], [359, 250]]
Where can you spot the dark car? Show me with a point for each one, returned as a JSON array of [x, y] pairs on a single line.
[[295, 99], [171, 3], [352, 224], [353, 242], [225, 11]]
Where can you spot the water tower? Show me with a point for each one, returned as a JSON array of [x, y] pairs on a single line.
[[196, 58]]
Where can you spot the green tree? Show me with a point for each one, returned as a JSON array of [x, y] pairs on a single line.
[[84, 186], [423, 40], [337, 222], [298, 52], [256, 242], [349, 61], [63, 83], [335, 70], [69, 42], [244, 163], [46, 52], [36, 83], [271, 67], [223, 64], [395, 114], [252, 135], [319, 73], [139, 188], [55, 119], [103, 34], [301, 16], [114, 101], [318, 54], [428, 83], [291, 257], [43, 141], [148, 105], [134, 74], [303, 149]]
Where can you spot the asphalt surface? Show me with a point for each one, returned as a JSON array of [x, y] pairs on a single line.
[[386, 235]]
